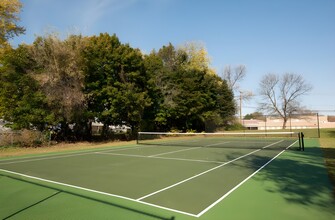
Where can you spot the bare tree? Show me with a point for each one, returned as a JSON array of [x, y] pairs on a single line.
[[281, 94], [234, 75]]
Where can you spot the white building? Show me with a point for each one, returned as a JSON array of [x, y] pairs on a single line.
[[301, 122]]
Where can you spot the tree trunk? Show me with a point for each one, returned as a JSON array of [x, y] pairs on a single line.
[[284, 122]]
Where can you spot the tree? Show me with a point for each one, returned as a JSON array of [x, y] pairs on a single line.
[[234, 75], [9, 10], [21, 100], [281, 94], [153, 65], [196, 57], [187, 93], [255, 115], [60, 77], [115, 82], [160, 67]]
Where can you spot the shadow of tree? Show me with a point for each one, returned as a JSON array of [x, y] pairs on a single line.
[[300, 177], [331, 134], [329, 155], [59, 189]]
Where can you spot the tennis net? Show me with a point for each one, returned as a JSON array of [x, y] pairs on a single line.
[[223, 140]]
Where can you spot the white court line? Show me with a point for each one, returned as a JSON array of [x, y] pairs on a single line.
[[146, 203], [127, 148], [164, 158], [171, 152], [238, 185], [95, 191], [165, 153], [191, 148], [209, 145], [48, 155], [167, 142], [272, 144], [200, 174], [45, 157]]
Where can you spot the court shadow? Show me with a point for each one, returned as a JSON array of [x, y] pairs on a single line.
[[96, 198], [300, 177]]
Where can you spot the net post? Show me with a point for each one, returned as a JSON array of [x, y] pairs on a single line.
[[299, 136], [302, 141], [137, 137]]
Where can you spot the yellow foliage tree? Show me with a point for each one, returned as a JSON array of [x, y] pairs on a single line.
[[9, 10], [197, 57]]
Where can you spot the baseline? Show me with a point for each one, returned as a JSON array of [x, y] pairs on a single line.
[[94, 191]]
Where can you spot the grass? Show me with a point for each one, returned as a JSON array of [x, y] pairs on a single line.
[[327, 143]]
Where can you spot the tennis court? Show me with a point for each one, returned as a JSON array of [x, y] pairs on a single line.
[[187, 174]]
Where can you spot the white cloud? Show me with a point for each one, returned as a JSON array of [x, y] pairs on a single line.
[[94, 10]]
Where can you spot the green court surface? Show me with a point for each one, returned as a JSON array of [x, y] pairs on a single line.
[[269, 179]]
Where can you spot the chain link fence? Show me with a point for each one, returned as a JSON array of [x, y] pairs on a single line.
[[24, 138], [310, 124]]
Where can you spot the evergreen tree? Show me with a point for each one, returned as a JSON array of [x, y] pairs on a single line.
[[115, 82]]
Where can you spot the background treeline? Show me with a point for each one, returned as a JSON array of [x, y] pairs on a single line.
[[54, 83]]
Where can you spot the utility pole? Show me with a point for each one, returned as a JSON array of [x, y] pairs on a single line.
[[241, 107]]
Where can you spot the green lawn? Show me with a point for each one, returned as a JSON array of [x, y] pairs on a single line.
[[327, 143]]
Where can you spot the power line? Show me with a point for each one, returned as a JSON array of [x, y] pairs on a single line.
[[333, 110]]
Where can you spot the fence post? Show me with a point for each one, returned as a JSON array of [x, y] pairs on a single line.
[[266, 129], [317, 117]]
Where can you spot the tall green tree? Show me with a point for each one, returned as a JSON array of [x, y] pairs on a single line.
[[153, 116], [187, 93], [160, 67], [21, 100], [115, 81]]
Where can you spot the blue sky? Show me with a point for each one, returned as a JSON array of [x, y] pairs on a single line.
[[267, 36]]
